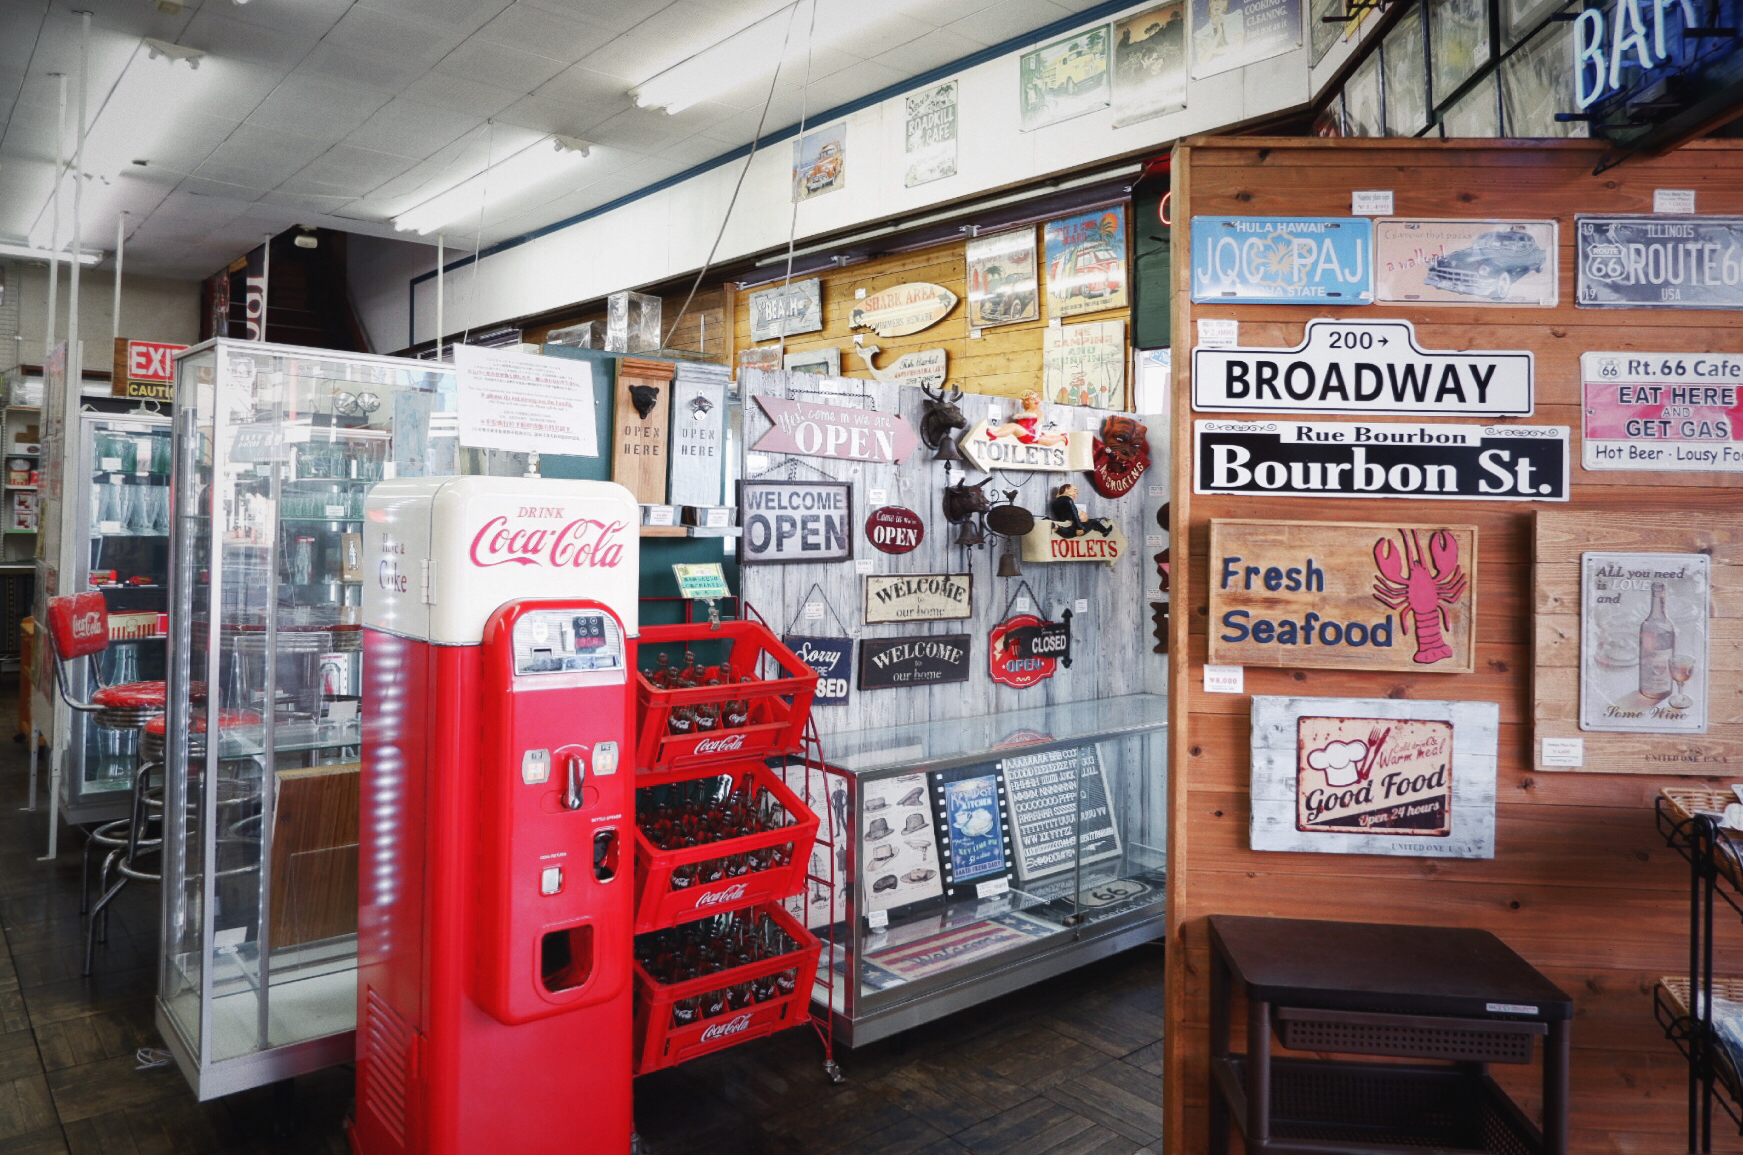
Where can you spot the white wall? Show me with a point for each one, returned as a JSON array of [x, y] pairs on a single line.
[[670, 232], [378, 270], [152, 309]]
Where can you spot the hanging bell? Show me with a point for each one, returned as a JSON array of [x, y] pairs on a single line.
[[1009, 565], [947, 450], [970, 533]]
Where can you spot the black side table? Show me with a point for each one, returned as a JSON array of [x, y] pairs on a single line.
[[1425, 992]]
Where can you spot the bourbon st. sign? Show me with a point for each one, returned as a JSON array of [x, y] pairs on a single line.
[[813, 429], [1369, 367]]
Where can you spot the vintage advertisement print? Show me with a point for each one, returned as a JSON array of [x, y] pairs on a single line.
[[1673, 412], [1230, 33], [1643, 642], [1150, 63], [1374, 775], [1355, 366], [899, 852], [820, 162], [1660, 262], [930, 140], [975, 842], [1066, 78], [1398, 776], [1349, 459], [1435, 262], [1085, 364], [1086, 262], [1343, 595], [1002, 288], [1283, 260]]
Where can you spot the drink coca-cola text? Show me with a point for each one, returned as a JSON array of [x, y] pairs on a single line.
[[581, 543]]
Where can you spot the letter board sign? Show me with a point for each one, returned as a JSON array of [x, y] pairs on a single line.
[[1659, 262], [1663, 411], [1283, 260], [888, 663], [788, 521], [1347, 366], [1343, 595], [1408, 459]]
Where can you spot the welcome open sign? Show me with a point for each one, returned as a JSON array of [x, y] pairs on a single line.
[[1343, 595]]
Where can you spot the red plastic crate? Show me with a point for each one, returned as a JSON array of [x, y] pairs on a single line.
[[659, 1044], [779, 706], [658, 905]]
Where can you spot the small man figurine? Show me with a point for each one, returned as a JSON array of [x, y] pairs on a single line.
[[1064, 508]]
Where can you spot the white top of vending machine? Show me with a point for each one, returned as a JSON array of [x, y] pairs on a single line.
[[440, 554]]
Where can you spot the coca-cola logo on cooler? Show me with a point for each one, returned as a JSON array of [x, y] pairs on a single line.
[[715, 897], [720, 745], [582, 542], [727, 1029]]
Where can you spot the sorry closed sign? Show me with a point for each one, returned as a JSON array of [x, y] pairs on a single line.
[[787, 521]]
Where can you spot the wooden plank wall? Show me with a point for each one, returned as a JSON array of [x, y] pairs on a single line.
[[1581, 883], [1003, 361]]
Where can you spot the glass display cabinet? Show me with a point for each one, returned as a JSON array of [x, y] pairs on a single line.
[[275, 450], [984, 854], [124, 461]]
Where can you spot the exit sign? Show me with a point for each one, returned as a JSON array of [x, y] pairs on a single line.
[[144, 370]]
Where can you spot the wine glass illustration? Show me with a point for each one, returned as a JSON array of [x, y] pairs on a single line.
[[1682, 668]]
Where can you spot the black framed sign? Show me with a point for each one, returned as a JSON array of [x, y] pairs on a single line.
[[795, 521], [831, 658], [974, 841], [888, 663]]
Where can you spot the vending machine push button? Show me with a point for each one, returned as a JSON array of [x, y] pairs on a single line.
[[605, 758], [551, 880], [535, 767]]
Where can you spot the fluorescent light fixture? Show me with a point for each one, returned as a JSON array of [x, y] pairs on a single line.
[[503, 181], [155, 48], [26, 252]]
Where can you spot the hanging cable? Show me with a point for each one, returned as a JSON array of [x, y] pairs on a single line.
[[793, 221], [755, 141], [478, 233]]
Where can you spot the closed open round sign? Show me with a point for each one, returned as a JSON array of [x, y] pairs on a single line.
[[893, 529]]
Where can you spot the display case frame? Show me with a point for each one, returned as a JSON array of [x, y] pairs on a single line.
[[1050, 920], [275, 449]]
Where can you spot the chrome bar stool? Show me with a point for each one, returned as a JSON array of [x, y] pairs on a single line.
[[79, 628]]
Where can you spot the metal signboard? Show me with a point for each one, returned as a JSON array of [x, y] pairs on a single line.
[[786, 310], [1349, 366], [1671, 412], [920, 597], [1659, 262], [1408, 459], [1283, 260], [894, 529], [831, 658], [1024, 650], [698, 436], [1644, 661], [1435, 262], [889, 663], [814, 429], [789, 521]]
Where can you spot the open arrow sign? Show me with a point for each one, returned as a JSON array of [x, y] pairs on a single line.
[[810, 429]]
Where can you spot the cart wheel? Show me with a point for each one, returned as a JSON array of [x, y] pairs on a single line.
[[636, 1146], [833, 1070]]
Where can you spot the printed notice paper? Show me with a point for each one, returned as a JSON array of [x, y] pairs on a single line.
[[522, 402]]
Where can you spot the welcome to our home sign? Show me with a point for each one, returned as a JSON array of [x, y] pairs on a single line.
[[1343, 595]]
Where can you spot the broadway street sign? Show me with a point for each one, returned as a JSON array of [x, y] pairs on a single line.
[[1411, 459], [1348, 366]]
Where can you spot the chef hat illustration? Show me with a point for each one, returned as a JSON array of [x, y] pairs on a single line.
[[1339, 762]]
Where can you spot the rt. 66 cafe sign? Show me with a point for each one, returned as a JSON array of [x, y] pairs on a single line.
[[144, 370]]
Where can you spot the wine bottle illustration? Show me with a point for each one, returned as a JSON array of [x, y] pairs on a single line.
[[1657, 648]]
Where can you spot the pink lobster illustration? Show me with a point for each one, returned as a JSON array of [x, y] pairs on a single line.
[[1418, 594]]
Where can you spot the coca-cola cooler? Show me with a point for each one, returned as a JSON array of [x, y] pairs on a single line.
[[496, 877]]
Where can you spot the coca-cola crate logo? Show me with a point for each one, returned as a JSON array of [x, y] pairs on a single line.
[[723, 744], [733, 1026], [730, 894], [578, 543]]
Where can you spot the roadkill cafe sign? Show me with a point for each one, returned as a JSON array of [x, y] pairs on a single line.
[[1411, 459], [1367, 367]]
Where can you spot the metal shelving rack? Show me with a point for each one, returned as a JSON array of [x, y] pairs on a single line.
[[1687, 1017]]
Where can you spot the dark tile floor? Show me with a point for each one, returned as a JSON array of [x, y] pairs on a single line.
[[1068, 1067]]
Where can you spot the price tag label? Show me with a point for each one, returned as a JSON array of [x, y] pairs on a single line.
[[1218, 333], [992, 887], [108, 527], [701, 580], [1371, 202], [1673, 200], [1152, 541], [1159, 491], [336, 511], [1225, 679], [813, 611], [110, 464], [1564, 751], [862, 565], [878, 496], [877, 919], [1022, 605], [1081, 606]]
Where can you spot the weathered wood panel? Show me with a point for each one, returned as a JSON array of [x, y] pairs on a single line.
[[1581, 883]]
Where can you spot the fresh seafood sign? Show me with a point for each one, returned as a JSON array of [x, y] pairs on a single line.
[[1357, 366], [1400, 776], [1283, 260], [1343, 595]]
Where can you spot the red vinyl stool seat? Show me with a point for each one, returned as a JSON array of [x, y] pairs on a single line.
[[129, 705]]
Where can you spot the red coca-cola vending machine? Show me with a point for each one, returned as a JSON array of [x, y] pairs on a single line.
[[496, 871]]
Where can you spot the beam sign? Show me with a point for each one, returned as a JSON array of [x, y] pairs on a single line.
[[1366, 367]]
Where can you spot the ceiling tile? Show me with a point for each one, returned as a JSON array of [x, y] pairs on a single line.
[[693, 151], [260, 157], [458, 94], [640, 130], [344, 169], [377, 34], [497, 64], [316, 107], [309, 201], [593, 93], [935, 49], [1008, 19], [234, 40], [619, 15], [562, 37], [462, 16], [217, 190], [384, 72], [553, 116], [304, 18], [407, 128], [851, 83]]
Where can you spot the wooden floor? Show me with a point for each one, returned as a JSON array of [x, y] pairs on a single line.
[[1069, 1067]]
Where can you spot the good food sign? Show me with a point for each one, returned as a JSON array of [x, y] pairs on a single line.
[[1343, 595]]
